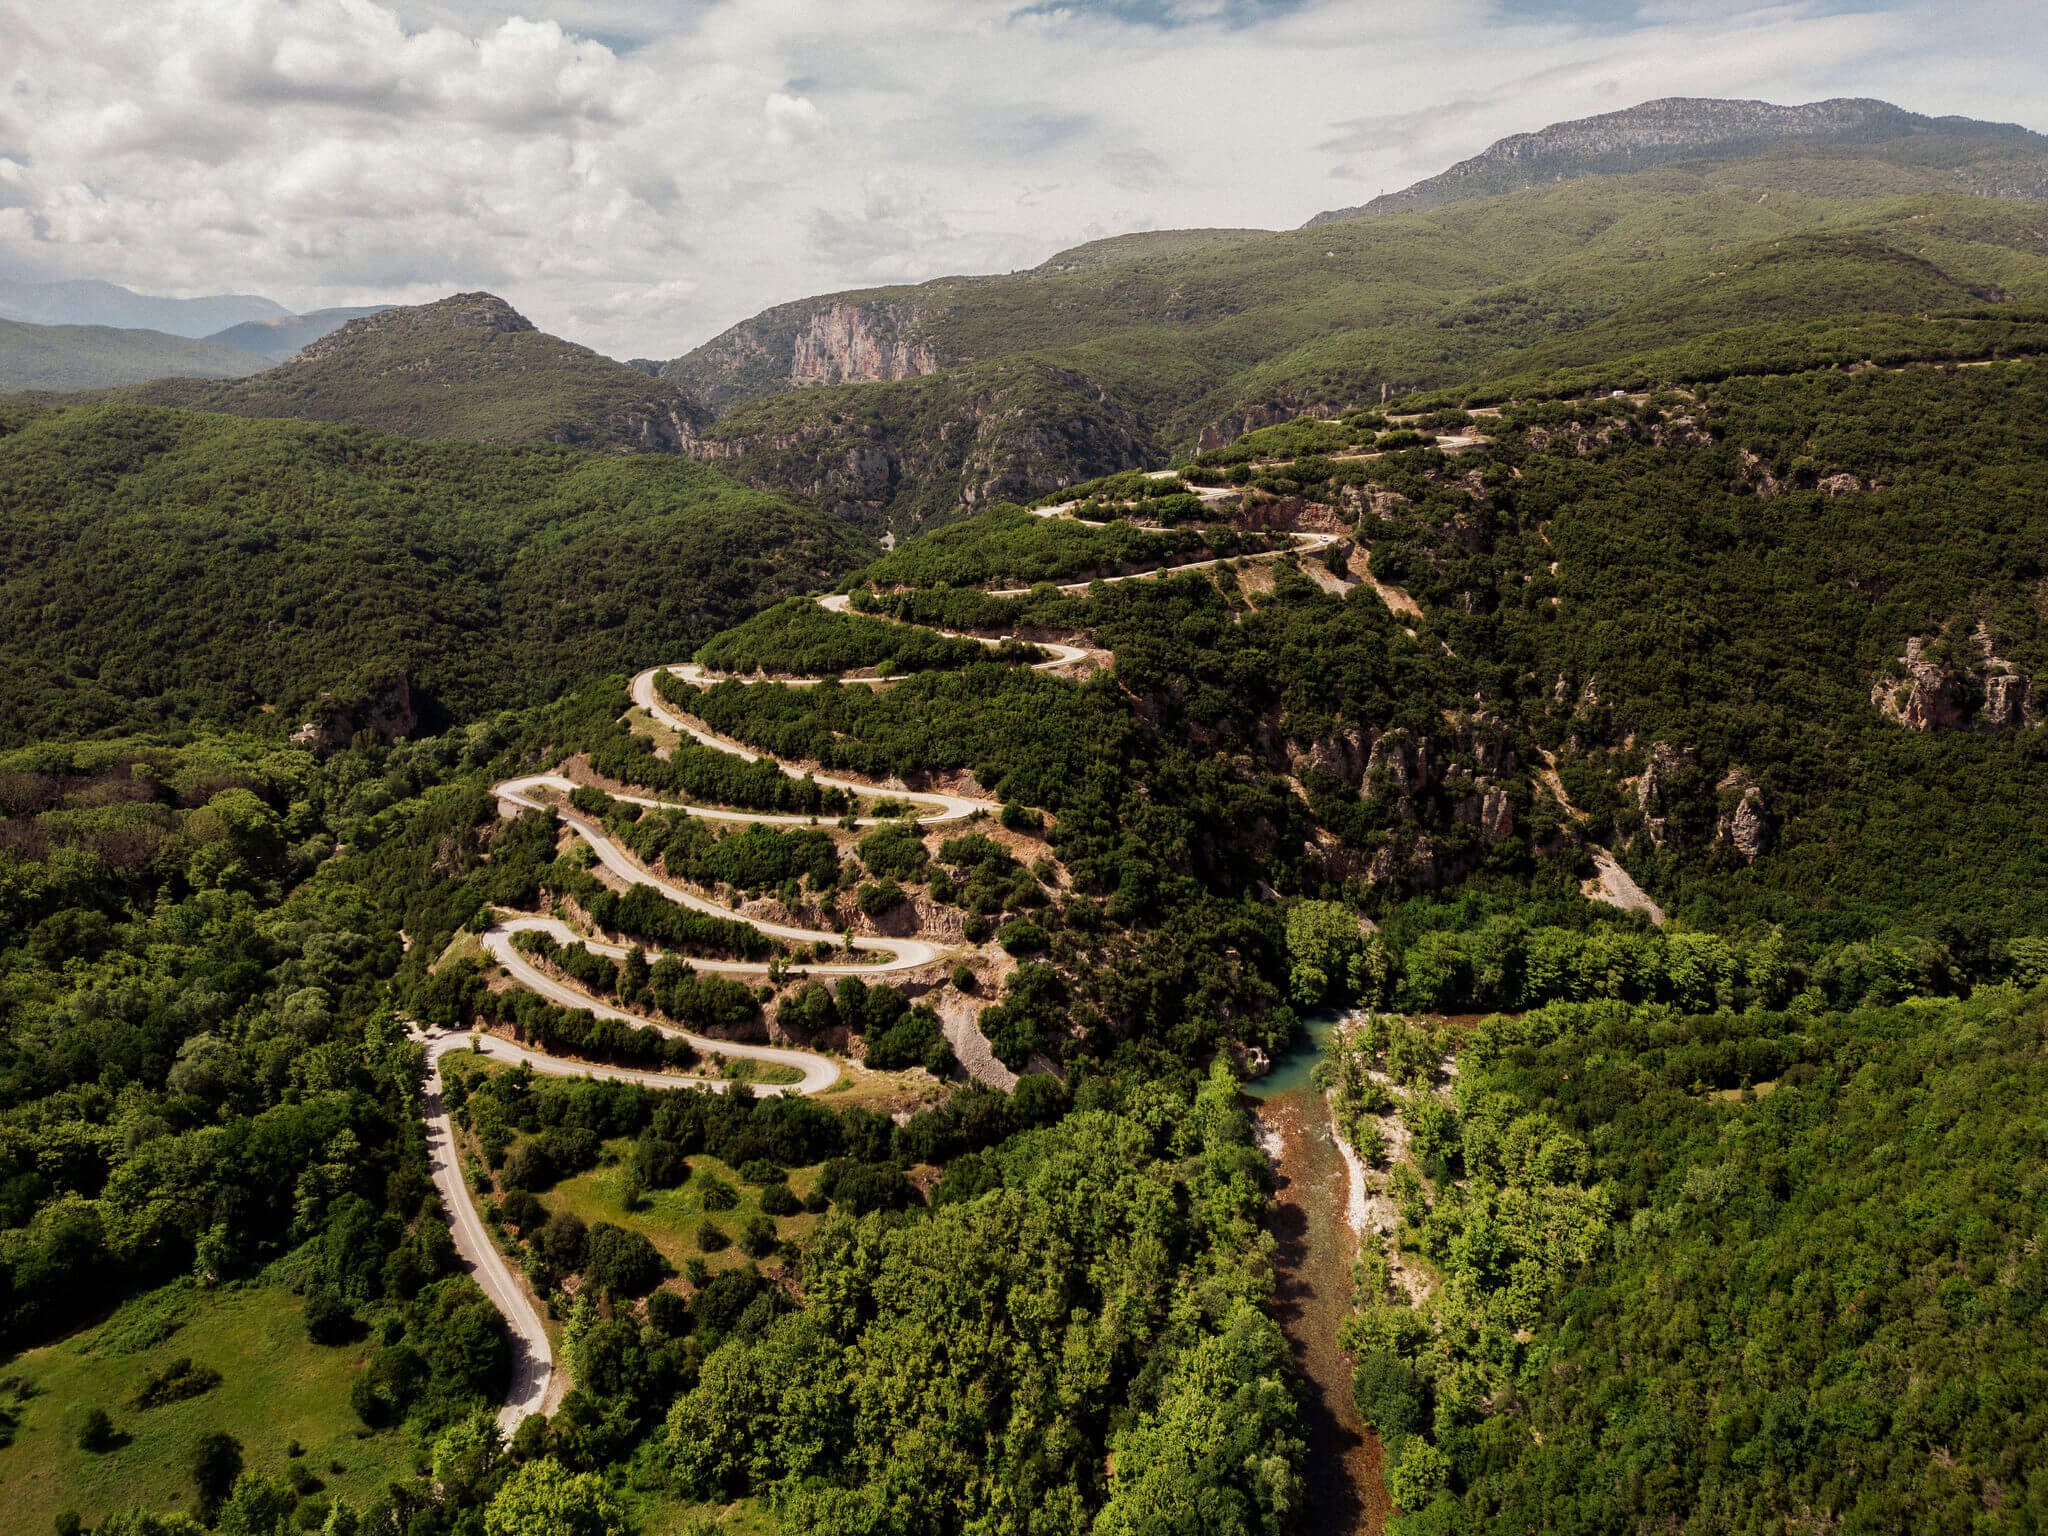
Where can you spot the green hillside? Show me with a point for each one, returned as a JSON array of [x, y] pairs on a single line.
[[1137, 357], [165, 566], [468, 367]]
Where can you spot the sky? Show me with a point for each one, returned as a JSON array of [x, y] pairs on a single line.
[[639, 174]]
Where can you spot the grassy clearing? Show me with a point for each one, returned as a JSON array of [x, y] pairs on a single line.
[[670, 1217], [276, 1387], [654, 1514]]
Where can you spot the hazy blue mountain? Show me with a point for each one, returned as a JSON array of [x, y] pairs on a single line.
[[68, 357], [91, 302]]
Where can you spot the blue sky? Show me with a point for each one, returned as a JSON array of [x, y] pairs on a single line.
[[640, 173]]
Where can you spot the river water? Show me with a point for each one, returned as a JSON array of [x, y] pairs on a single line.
[[1346, 1484]]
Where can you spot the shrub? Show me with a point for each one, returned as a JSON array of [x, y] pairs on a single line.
[[174, 1383], [659, 1163], [780, 1200], [561, 1242], [523, 1211], [879, 896], [668, 1313], [96, 1431], [621, 1262], [1022, 936], [1392, 1397], [720, 1305], [757, 1237], [894, 851], [717, 1195], [711, 1237], [529, 1167], [864, 1187], [906, 1043], [328, 1318], [963, 978], [215, 1463]]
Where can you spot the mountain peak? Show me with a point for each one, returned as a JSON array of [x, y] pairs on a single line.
[[1993, 159], [406, 324], [467, 366]]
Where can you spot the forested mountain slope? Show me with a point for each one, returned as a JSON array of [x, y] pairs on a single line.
[[1141, 350], [170, 566], [1767, 640], [467, 367]]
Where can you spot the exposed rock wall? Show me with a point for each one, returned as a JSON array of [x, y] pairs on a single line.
[[839, 339], [381, 704], [1431, 788], [1935, 686], [859, 343]]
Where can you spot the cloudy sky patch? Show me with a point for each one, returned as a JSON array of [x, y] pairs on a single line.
[[639, 175]]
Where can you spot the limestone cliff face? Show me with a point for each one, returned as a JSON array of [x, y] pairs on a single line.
[[838, 339], [859, 343], [1431, 788]]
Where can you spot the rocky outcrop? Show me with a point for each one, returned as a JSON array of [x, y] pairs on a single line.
[[2009, 702], [1665, 785], [1937, 685], [1744, 827], [1754, 476], [1427, 786], [836, 339], [1226, 430], [380, 704]]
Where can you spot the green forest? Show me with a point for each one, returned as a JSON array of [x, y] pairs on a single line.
[[1594, 793], [165, 569]]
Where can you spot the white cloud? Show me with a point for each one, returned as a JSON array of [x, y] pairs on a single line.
[[637, 175], [792, 119]]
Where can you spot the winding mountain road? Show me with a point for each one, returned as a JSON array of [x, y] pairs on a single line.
[[537, 1386], [909, 953]]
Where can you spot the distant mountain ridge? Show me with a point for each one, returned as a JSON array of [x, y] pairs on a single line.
[[92, 302], [1986, 159], [467, 367], [94, 335], [73, 357]]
